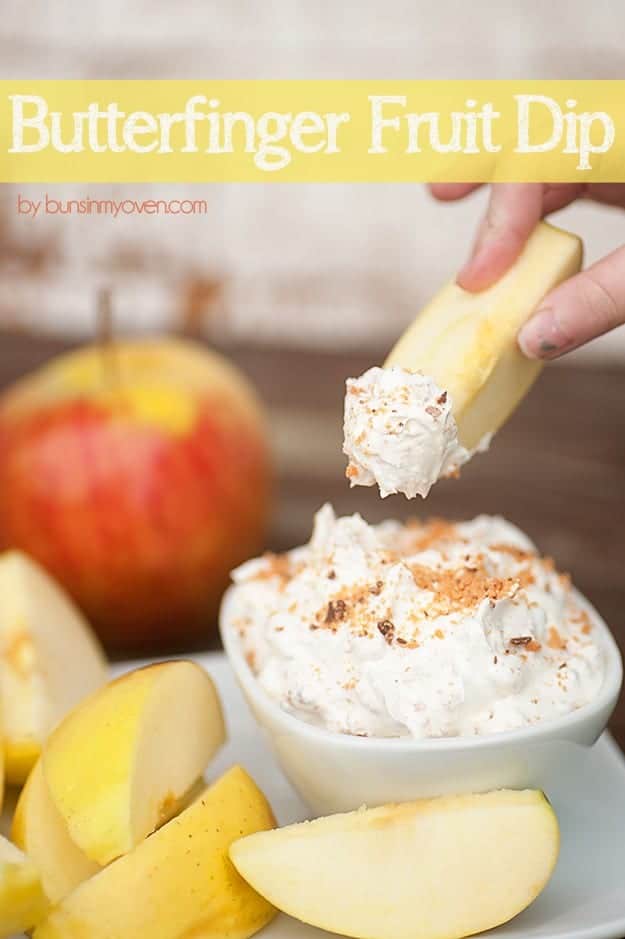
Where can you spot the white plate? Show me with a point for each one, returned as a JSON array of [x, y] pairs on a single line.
[[586, 896]]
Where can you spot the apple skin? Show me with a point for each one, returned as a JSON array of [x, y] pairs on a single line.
[[138, 482]]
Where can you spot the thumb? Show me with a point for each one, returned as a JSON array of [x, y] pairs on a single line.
[[580, 309]]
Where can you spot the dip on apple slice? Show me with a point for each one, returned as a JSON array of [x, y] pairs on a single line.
[[454, 377]]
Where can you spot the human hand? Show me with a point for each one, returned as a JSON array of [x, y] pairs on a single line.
[[581, 308]]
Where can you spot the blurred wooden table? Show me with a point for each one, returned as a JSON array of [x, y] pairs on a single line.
[[557, 469]]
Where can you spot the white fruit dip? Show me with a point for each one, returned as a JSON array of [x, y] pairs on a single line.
[[400, 432], [419, 630]]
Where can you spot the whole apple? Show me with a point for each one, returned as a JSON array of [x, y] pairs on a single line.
[[138, 474]]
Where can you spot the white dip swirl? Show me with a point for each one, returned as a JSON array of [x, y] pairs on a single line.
[[400, 432], [421, 630]]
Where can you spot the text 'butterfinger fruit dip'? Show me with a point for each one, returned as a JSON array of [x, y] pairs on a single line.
[[419, 630]]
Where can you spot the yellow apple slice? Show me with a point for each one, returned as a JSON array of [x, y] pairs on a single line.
[[432, 869], [119, 764], [467, 342], [49, 659], [179, 882], [1, 760], [22, 901], [40, 831]]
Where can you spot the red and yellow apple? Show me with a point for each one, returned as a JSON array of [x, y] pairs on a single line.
[[137, 473]]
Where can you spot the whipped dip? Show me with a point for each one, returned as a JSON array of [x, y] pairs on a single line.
[[419, 630], [400, 432]]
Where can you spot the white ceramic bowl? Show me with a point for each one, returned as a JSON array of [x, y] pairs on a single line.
[[336, 772]]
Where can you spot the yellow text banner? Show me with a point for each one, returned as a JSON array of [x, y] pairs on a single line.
[[312, 131]]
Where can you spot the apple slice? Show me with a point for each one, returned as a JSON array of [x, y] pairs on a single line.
[[49, 659], [119, 765], [1, 762], [179, 882], [40, 831], [22, 901], [432, 869], [467, 342]]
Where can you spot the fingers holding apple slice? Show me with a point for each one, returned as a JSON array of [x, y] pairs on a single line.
[[454, 377], [178, 882], [432, 869], [22, 901], [467, 342], [122, 762], [49, 659]]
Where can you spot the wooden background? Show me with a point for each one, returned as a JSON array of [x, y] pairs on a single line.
[[557, 469]]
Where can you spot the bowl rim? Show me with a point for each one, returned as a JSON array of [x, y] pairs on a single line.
[[553, 728]]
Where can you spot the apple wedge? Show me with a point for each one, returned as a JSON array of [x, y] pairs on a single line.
[[467, 342], [121, 763], [433, 869], [179, 882], [22, 901], [49, 659], [1, 763], [40, 831]]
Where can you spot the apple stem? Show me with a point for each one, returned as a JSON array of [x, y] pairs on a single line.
[[106, 335]]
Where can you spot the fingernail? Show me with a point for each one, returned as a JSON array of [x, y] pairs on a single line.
[[542, 337]]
